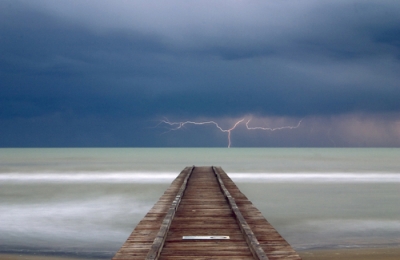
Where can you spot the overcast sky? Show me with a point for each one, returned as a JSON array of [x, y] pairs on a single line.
[[104, 73]]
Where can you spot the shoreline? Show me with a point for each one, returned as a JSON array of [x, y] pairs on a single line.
[[389, 253], [364, 253], [19, 256]]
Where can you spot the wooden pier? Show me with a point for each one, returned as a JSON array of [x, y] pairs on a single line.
[[203, 215]]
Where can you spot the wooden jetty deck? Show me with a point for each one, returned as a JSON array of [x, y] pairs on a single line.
[[203, 215]]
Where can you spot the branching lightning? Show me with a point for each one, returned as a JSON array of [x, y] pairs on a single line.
[[271, 129], [179, 125]]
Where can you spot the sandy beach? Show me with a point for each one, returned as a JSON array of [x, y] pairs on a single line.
[[341, 254], [35, 257], [352, 254]]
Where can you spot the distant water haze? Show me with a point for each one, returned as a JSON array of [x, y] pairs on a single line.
[[86, 202]]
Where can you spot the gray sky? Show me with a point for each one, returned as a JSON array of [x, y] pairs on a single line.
[[104, 73]]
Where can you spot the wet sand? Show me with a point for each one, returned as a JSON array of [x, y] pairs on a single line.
[[352, 254], [340, 254], [36, 257]]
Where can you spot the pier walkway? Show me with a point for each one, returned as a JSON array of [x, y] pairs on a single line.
[[203, 215]]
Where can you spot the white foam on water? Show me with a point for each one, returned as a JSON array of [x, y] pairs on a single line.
[[340, 228], [166, 177], [317, 177], [88, 177], [344, 233], [100, 223]]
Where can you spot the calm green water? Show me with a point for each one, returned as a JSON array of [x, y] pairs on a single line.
[[87, 201]]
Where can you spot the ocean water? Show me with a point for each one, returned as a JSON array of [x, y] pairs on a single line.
[[86, 202]]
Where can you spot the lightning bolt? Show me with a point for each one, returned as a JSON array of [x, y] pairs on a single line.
[[179, 125], [271, 129]]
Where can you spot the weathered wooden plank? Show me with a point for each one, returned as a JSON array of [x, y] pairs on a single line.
[[197, 219], [208, 252], [198, 257], [267, 236], [251, 239]]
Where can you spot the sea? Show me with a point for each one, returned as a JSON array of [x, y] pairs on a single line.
[[85, 202]]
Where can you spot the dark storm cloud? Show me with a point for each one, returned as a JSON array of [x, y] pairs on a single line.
[[72, 62]]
